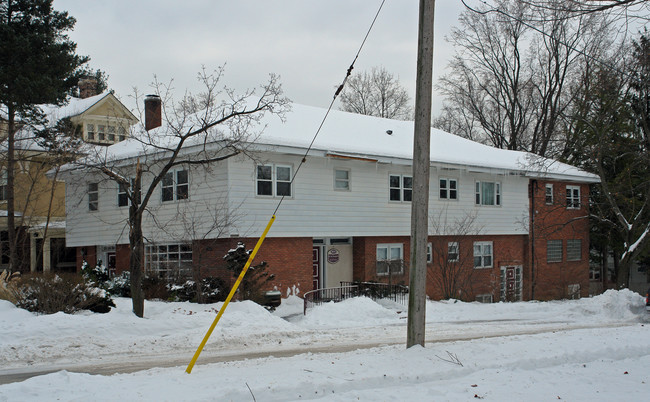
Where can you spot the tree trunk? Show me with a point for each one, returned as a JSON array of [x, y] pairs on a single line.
[[135, 260], [11, 163]]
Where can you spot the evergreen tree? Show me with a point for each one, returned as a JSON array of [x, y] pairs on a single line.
[[39, 66], [256, 276]]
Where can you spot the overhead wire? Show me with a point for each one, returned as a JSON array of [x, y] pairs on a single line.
[[336, 94]]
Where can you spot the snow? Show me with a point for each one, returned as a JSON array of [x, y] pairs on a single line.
[[366, 137], [594, 349]]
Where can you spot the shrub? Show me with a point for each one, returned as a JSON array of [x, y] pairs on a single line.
[[253, 283], [212, 291], [69, 293], [119, 285]]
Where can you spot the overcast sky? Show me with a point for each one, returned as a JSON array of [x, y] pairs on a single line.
[[310, 44]]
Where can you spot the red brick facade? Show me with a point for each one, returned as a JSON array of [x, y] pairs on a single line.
[[290, 259]]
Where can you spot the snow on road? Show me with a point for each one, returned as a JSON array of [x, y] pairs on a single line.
[[589, 349]]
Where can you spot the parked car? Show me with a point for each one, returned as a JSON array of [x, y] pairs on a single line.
[[647, 301]]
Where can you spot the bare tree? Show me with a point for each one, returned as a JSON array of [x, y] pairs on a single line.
[[199, 130], [376, 93], [452, 257], [513, 76]]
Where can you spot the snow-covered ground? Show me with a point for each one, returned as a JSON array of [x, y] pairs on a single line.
[[595, 349]]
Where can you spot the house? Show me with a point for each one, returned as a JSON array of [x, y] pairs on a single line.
[[504, 225], [40, 200]]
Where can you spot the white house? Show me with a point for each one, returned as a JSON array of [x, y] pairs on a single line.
[[346, 215]]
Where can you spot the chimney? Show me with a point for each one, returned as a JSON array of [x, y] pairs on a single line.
[[87, 87], [152, 112]]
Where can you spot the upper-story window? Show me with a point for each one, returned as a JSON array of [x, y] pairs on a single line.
[[274, 180], [101, 132], [429, 253], [548, 195], [573, 197], [123, 198], [483, 254], [448, 189], [342, 179], [93, 196], [3, 185], [400, 187], [175, 185], [90, 129], [111, 133], [121, 133], [488, 193]]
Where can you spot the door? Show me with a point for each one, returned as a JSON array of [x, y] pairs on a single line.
[[511, 278], [316, 264]]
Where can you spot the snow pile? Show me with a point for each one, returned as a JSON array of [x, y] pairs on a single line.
[[589, 349]]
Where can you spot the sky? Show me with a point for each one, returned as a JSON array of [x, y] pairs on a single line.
[[592, 349], [310, 44]]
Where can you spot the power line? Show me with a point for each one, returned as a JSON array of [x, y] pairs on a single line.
[[336, 94]]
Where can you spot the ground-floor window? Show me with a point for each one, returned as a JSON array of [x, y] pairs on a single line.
[[483, 254], [390, 259], [168, 260]]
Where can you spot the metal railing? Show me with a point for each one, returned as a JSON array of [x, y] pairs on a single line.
[[373, 290]]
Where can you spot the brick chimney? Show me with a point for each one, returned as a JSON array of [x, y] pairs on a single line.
[[152, 112], [87, 87]]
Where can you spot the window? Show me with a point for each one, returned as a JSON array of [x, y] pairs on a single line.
[[3, 185], [390, 259], [572, 197], [111, 133], [484, 298], [400, 187], [168, 261], [93, 196], [123, 199], [573, 250], [121, 133], [90, 128], [573, 291], [429, 253], [488, 193], [448, 189], [101, 129], [175, 185], [548, 196], [341, 179], [453, 251], [554, 251], [594, 272], [274, 180], [483, 254]]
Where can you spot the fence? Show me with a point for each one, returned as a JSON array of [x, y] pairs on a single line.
[[375, 291]]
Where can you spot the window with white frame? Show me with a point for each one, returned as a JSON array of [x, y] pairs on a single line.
[[273, 180], [483, 254], [488, 193], [93, 196], [90, 131], [429, 253], [168, 260], [101, 132], [484, 298], [390, 259], [123, 199], [453, 251], [548, 195], [111, 133], [573, 249], [3, 185], [121, 133], [554, 251], [342, 179], [573, 197], [400, 187], [448, 189], [175, 185]]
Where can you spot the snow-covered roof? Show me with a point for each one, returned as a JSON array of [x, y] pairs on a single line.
[[74, 107], [349, 134]]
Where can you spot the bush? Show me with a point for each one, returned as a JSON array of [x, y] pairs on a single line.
[[212, 291], [119, 285], [69, 293]]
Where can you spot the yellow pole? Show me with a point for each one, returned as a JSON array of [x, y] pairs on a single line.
[[230, 296]]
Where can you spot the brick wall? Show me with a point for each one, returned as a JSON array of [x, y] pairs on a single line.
[[554, 221]]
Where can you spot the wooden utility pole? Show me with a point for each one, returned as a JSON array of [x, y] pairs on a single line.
[[421, 160]]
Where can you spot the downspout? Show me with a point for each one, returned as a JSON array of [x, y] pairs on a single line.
[[533, 188]]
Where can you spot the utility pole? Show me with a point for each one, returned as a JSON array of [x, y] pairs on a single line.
[[421, 161]]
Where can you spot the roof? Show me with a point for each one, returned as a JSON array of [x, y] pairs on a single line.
[[374, 138]]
